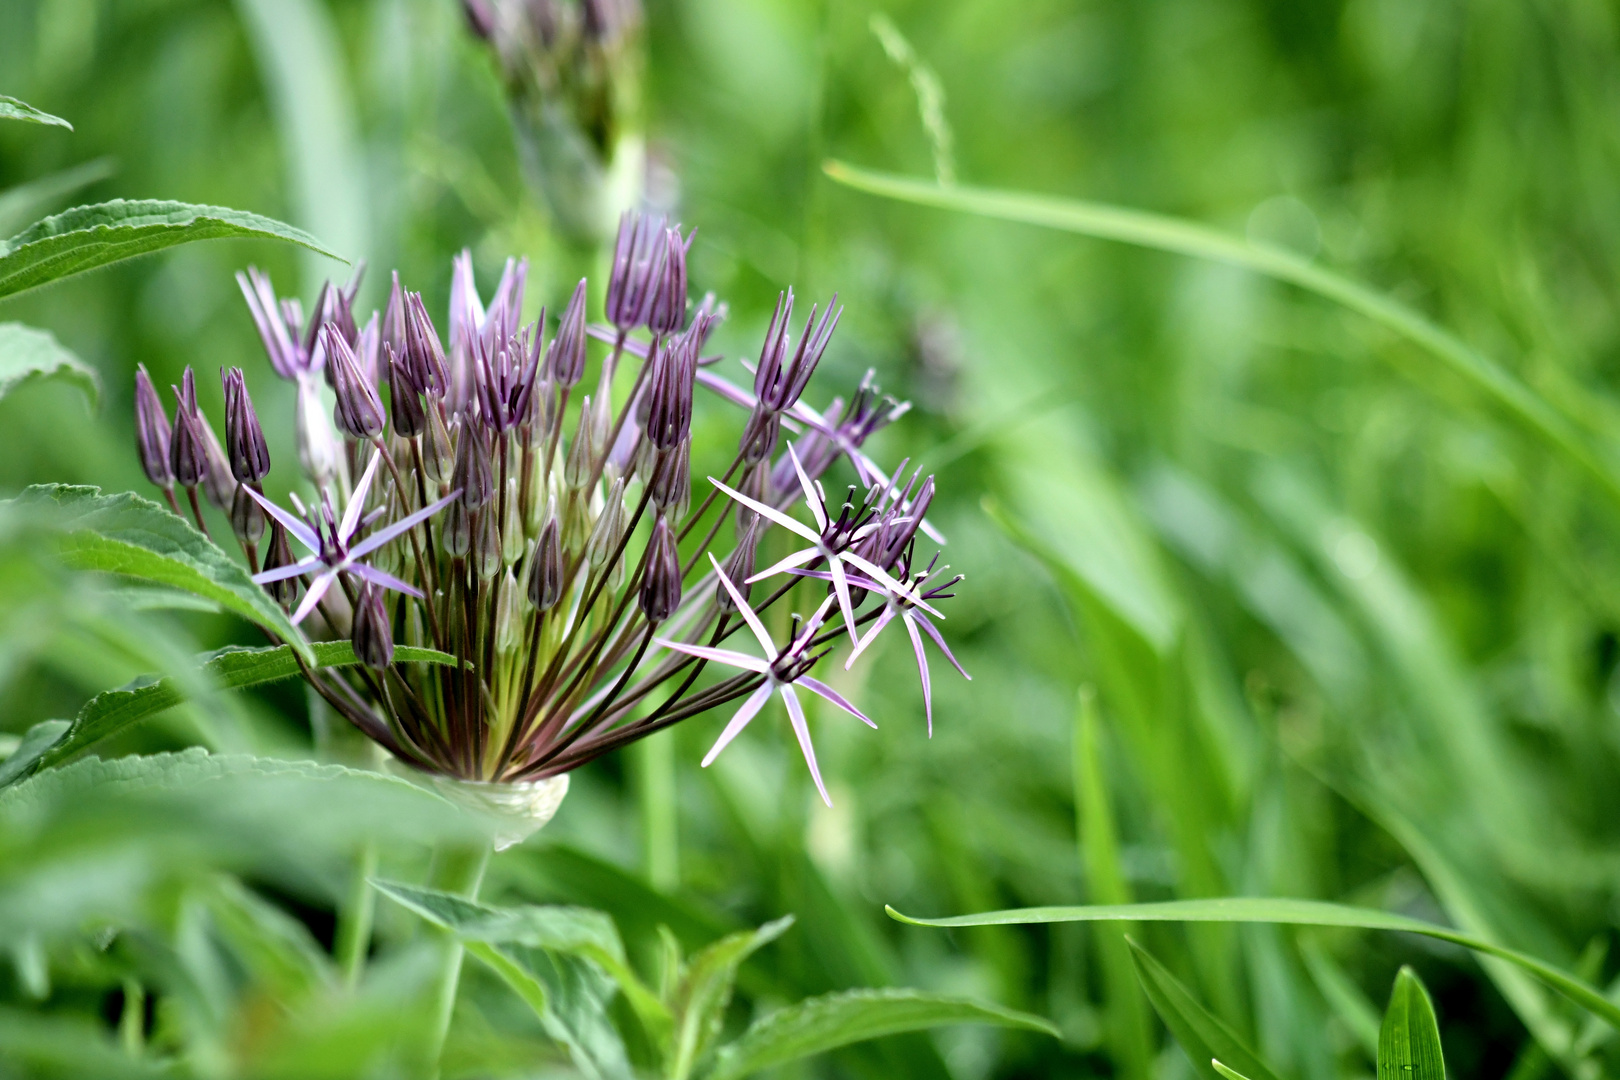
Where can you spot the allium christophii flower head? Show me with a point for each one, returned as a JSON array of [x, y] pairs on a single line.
[[536, 535]]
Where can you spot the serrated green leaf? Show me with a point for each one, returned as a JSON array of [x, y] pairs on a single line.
[[1241, 909], [1409, 1039], [701, 998], [87, 237], [28, 353], [35, 742], [231, 668], [126, 534], [22, 204], [1190, 238], [576, 931], [819, 1024], [1200, 1032], [13, 109]]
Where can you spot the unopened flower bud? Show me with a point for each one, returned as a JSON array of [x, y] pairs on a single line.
[[605, 536], [423, 351], [218, 483], [276, 555], [661, 587], [565, 362], [152, 431], [739, 567], [438, 451], [472, 473], [359, 412], [508, 615], [669, 399], [671, 485], [247, 516], [759, 435], [638, 256], [408, 416], [244, 439], [581, 454], [317, 444], [512, 537], [188, 453], [486, 553], [372, 634], [667, 313], [545, 575], [393, 325]]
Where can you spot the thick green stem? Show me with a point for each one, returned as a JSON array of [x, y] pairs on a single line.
[[354, 920], [655, 788], [459, 869]]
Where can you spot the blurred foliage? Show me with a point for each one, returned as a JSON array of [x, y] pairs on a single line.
[[1353, 633]]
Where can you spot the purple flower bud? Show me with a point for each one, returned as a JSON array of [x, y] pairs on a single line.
[[581, 461], [487, 560], [667, 313], [777, 381], [423, 352], [368, 351], [247, 516], [638, 269], [739, 566], [457, 531], [545, 576], [565, 363], [218, 483], [669, 401], [279, 324], [671, 485], [359, 411], [152, 431], [472, 473], [188, 453], [403, 396], [249, 456], [276, 555], [438, 452], [506, 306], [373, 634], [759, 436], [661, 587], [393, 324]]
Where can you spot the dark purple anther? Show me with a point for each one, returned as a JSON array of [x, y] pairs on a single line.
[[152, 431], [188, 450], [373, 634], [667, 313], [545, 576], [244, 439], [359, 412], [566, 361], [661, 588], [409, 419]]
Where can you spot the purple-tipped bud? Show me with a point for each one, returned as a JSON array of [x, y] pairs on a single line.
[[480, 18], [438, 451], [759, 436], [359, 411], [247, 516], [406, 400], [545, 576], [486, 552], [638, 269], [276, 555], [661, 587], [565, 363], [739, 567], [671, 485], [373, 634], [152, 431], [457, 532], [669, 401], [472, 473], [393, 324], [778, 382], [667, 313], [422, 349], [218, 483], [244, 439], [188, 452]]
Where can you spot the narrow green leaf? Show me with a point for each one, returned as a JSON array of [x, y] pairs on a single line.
[[126, 534], [27, 353], [1182, 237], [819, 1024], [1341, 993], [1226, 1070], [1200, 1032], [13, 109], [1409, 1040], [24, 203], [277, 949], [1243, 909], [704, 992], [87, 237], [233, 668]]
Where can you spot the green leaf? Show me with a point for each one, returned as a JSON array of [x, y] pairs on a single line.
[[87, 237], [35, 742], [27, 354], [556, 959], [1409, 1040], [126, 534], [22, 204], [701, 998], [1226, 1070], [1200, 1032], [819, 1024], [231, 668], [12, 109], [277, 949], [1247, 909], [1182, 237]]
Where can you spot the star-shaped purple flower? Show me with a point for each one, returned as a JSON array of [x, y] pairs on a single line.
[[786, 669], [330, 543]]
